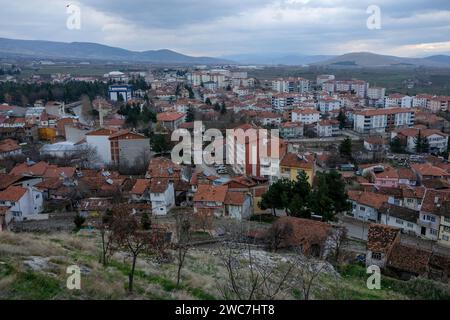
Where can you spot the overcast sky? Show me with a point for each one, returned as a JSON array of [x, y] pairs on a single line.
[[223, 27]]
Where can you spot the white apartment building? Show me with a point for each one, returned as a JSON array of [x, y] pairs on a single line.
[[437, 140], [289, 85], [321, 79], [305, 116], [398, 100], [382, 120], [286, 100], [329, 104], [359, 87], [376, 93]]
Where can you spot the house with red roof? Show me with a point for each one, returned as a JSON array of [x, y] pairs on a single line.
[[238, 205], [171, 120], [210, 199], [24, 203], [366, 205], [9, 148]]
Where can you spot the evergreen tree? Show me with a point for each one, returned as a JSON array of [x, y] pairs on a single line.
[[342, 118], [396, 145], [345, 149]]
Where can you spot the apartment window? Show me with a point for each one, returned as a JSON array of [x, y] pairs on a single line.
[[447, 219], [376, 255], [433, 232], [410, 225], [447, 229], [398, 221], [445, 238], [362, 208]]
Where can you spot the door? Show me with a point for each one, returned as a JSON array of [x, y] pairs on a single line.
[[423, 231]]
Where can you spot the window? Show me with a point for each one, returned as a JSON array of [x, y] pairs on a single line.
[[445, 238], [410, 225], [362, 208], [398, 221], [433, 232], [376, 255]]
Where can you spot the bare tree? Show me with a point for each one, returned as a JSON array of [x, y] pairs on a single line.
[[130, 236], [183, 244], [104, 225], [279, 234], [306, 274], [337, 239], [247, 278], [203, 221]]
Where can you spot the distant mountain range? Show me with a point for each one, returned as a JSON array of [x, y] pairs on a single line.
[[278, 59], [85, 51], [38, 49], [368, 59]]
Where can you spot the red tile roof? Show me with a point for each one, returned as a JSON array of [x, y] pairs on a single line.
[[293, 160], [169, 116], [369, 199], [208, 193], [381, 238], [235, 198], [13, 193], [140, 186]]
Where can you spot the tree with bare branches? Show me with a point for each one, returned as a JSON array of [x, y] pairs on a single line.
[[337, 239], [183, 243], [305, 275], [130, 236]]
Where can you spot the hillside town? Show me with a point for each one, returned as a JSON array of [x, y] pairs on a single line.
[[350, 159]]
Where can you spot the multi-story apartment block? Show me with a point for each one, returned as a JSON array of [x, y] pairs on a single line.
[[329, 104], [306, 116], [291, 85], [359, 87], [382, 120], [376, 93]]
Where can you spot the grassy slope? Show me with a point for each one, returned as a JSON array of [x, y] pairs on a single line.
[[153, 281]]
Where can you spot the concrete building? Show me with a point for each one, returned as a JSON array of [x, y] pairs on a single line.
[[382, 120]]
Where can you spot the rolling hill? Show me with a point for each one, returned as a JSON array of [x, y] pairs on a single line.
[[367, 59], [38, 49]]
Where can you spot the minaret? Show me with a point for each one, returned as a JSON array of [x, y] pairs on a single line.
[[100, 113]]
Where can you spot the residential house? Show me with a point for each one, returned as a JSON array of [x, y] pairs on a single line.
[[401, 218], [291, 130], [162, 196], [381, 239], [426, 171], [24, 203], [238, 205], [171, 120], [431, 211], [210, 200], [9, 148], [140, 191], [437, 140], [292, 164], [366, 205], [327, 128]]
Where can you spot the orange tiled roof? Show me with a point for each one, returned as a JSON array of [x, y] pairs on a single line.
[[370, 199], [140, 186], [211, 193], [13, 193], [169, 116], [293, 160]]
